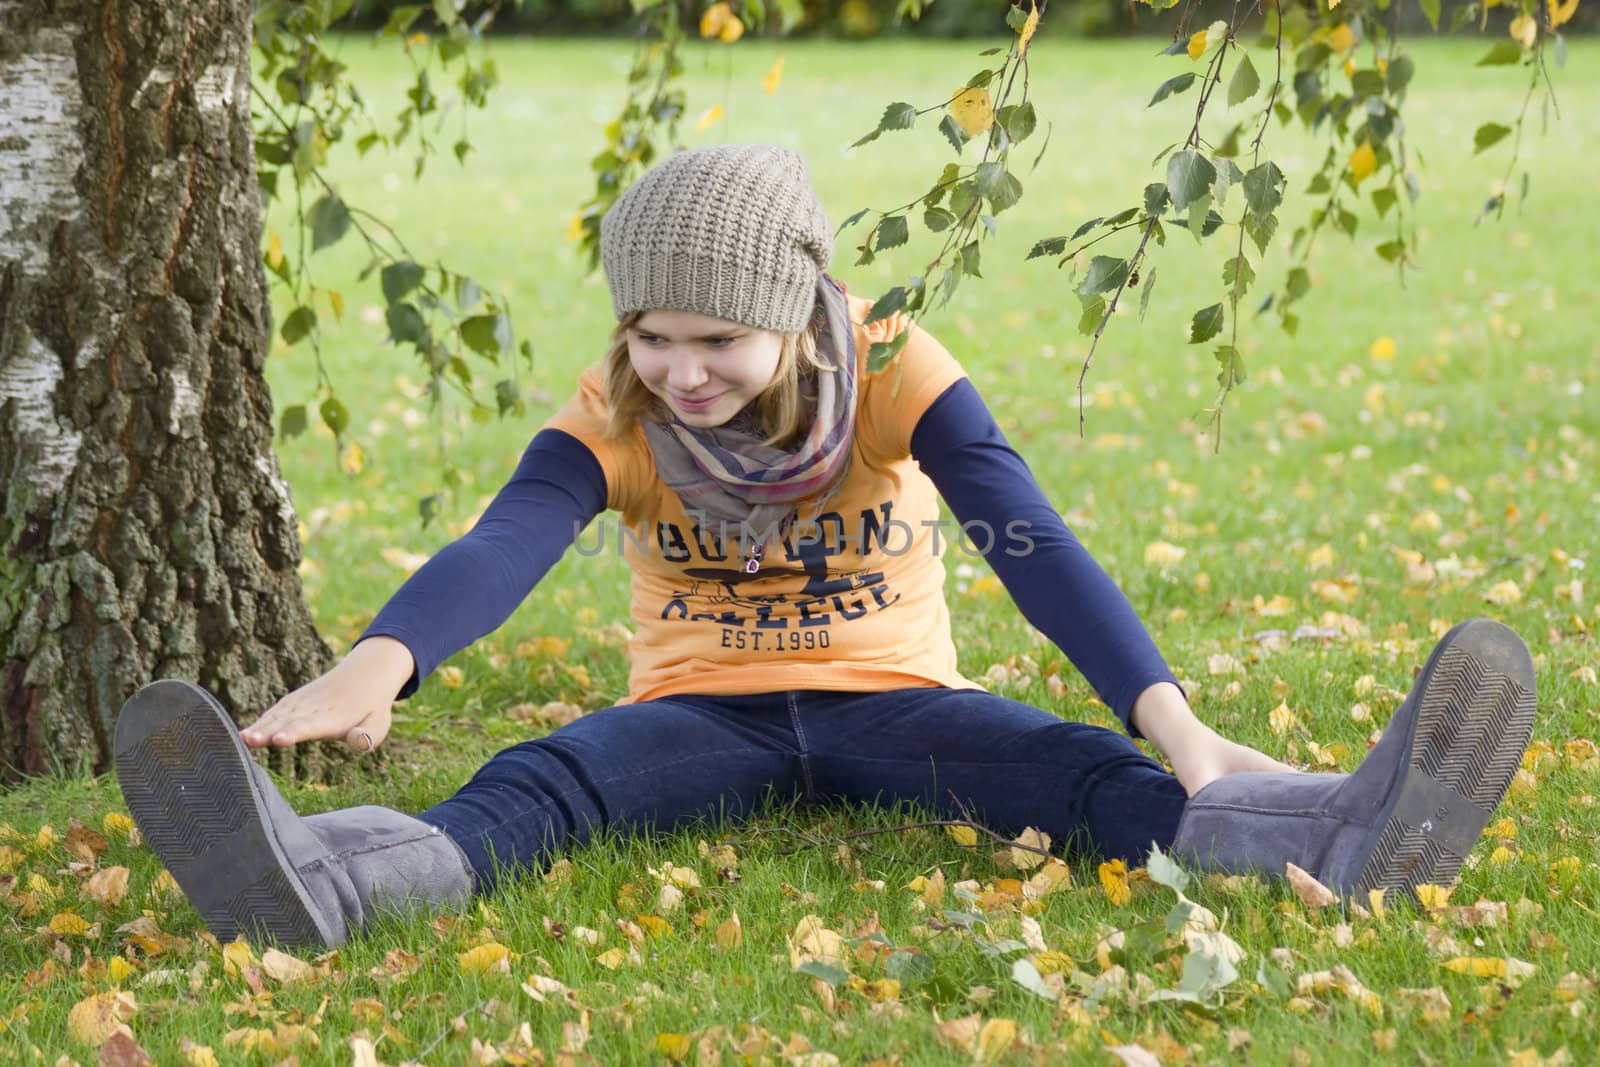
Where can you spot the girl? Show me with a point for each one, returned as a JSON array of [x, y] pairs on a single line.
[[779, 516]]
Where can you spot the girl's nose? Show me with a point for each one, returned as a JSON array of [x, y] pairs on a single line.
[[686, 374]]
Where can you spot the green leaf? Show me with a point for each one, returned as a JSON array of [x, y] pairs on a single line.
[[893, 232], [1050, 246], [998, 186], [851, 221], [1172, 87], [1245, 81], [1298, 283], [329, 219], [334, 415], [970, 256], [1021, 122], [1086, 227], [1026, 975], [1261, 231], [400, 278], [301, 321], [1503, 54], [1144, 297], [481, 333], [1263, 189], [882, 353], [962, 197], [428, 507], [908, 968], [1105, 273], [292, 423], [1237, 271], [507, 396], [1016, 18], [1383, 200], [832, 975], [406, 324], [1093, 312], [1155, 198], [953, 133], [1163, 871], [897, 116], [1401, 70], [1189, 177], [1199, 214], [1489, 133], [887, 304], [937, 219], [1430, 8], [1392, 251], [1231, 365], [1207, 323]]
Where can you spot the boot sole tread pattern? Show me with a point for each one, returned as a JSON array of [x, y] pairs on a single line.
[[178, 763], [1473, 723]]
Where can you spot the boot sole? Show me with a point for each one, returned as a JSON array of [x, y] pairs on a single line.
[[1473, 719], [184, 772]]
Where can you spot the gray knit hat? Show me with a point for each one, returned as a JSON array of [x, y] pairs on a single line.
[[731, 231]]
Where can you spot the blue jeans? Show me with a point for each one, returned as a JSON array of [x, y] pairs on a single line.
[[660, 764]]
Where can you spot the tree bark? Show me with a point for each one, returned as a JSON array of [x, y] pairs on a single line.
[[144, 529]]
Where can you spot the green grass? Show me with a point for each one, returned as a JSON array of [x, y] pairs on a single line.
[[1473, 446]]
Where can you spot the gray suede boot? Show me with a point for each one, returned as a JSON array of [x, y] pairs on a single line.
[[1413, 809], [246, 861]]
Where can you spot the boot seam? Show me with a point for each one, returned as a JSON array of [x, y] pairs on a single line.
[[364, 850]]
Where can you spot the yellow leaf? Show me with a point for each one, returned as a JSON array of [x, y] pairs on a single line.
[[611, 958], [94, 1019], [1561, 11], [710, 117], [1197, 44], [996, 1037], [116, 823], [1504, 828], [236, 956], [1341, 39], [965, 836], [118, 969], [1023, 858], [1382, 349], [69, 924], [353, 460], [972, 110], [1114, 880], [274, 250], [1031, 26], [1477, 966], [721, 23], [730, 935], [1312, 893], [1332, 4], [673, 1046], [1524, 30], [1501, 856], [1280, 720], [282, 967], [416, 39], [1433, 897], [1163, 555], [1363, 161], [575, 226], [774, 77], [107, 886], [489, 956], [1505, 592], [336, 302], [1375, 899]]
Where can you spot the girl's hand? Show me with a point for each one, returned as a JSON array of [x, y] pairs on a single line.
[[350, 703]]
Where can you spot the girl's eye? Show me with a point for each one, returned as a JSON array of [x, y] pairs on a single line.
[[719, 342]]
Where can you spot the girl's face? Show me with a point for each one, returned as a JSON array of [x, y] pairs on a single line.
[[705, 369]]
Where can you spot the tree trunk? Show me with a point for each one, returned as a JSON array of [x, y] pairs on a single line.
[[144, 529]]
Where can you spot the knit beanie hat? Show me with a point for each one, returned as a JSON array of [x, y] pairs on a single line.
[[730, 231]]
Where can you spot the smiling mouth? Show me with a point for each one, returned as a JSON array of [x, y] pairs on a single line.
[[695, 403]]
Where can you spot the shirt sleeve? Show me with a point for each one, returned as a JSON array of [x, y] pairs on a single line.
[[894, 397], [1056, 584], [474, 583]]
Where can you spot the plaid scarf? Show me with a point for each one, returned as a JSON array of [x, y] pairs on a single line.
[[726, 473]]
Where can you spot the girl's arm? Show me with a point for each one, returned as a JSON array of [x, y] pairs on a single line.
[[1054, 581], [459, 595], [476, 582]]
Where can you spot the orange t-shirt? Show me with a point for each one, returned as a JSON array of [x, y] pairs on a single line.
[[853, 602]]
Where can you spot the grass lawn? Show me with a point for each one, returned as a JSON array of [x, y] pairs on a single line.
[[1419, 453]]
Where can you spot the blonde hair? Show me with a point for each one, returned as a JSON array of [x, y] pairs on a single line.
[[780, 405]]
